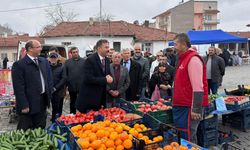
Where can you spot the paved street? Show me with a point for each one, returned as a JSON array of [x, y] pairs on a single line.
[[234, 76]]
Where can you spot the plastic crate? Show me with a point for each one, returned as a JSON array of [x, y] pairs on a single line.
[[236, 106], [147, 120], [239, 120], [236, 92], [125, 105], [209, 124], [227, 146], [169, 133], [164, 116]]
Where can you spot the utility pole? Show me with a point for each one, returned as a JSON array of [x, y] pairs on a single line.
[[100, 18]]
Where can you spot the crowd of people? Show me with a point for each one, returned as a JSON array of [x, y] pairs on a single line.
[[106, 75]]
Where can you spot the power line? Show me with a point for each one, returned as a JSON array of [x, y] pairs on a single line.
[[39, 7]]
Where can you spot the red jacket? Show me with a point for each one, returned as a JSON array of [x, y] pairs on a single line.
[[183, 92]]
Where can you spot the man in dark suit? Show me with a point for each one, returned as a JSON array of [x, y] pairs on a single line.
[[32, 83], [96, 75], [134, 68]]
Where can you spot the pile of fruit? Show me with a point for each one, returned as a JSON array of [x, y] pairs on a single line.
[[116, 114], [164, 101], [103, 135], [36, 139], [231, 99], [175, 146], [153, 107]]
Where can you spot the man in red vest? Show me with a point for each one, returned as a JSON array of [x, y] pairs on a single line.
[[190, 88]]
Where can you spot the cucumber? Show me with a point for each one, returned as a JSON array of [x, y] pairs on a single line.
[[63, 147], [35, 146], [55, 142], [58, 130], [53, 131], [65, 134], [45, 139], [63, 139]]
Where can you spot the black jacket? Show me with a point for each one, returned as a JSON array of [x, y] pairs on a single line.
[[93, 88], [135, 75], [27, 84], [157, 80], [72, 73], [170, 70], [217, 68], [59, 82]]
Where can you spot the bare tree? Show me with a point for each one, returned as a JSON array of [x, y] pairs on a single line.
[[58, 14], [55, 16]]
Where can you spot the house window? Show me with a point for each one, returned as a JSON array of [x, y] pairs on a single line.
[[147, 47], [208, 17], [117, 46], [208, 28], [3, 55], [14, 56], [66, 43]]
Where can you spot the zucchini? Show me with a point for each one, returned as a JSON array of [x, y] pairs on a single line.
[[58, 130], [63, 147]]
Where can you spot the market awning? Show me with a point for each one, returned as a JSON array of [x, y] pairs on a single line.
[[212, 37]]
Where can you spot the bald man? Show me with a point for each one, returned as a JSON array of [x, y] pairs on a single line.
[[32, 82]]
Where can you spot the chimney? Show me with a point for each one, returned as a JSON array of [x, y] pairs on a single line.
[[146, 23], [91, 21], [136, 22]]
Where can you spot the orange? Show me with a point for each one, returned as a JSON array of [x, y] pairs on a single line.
[[107, 133], [84, 144], [168, 147], [103, 146], [90, 148], [155, 139], [133, 132], [111, 148], [83, 135], [113, 125], [113, 136], [94, 129], [136, 126], [140, 135], [183, 148], [175, 145], [124, 136], [130, 137], [92, 137], [160, 138], [87, 126], [118, 142], [100, 133], [127, 144], [107, 123], [119, 129], [109, 143], [119, 147], [87, 132], [145, 138], [159, 148], [76, 128], [96, 144]]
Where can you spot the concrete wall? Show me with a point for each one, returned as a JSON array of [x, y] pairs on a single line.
[[159, 45], [87, 42], [182, 19]]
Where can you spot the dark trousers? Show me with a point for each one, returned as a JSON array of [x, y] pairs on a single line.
[[212, 86], [73, 97], [32, 121], [57, 104]]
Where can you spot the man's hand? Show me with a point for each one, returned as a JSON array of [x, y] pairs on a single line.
[[164, 87], [116, 93], [109, 79], [25, 110], [195, 116]]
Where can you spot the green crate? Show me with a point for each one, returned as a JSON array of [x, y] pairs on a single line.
[[164, 116]]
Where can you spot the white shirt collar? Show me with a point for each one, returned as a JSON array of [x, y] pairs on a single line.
[[31, 57], [101, 58]]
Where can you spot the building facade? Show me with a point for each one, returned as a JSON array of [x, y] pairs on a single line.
[[193, 14], [120, 34]]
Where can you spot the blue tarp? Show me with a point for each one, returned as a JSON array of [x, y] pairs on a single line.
[[212, 37]]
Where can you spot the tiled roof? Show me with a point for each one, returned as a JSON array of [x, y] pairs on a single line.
[[112, 28], [12, 41]]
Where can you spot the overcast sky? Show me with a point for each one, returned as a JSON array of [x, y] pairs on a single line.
[[234, 14]]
